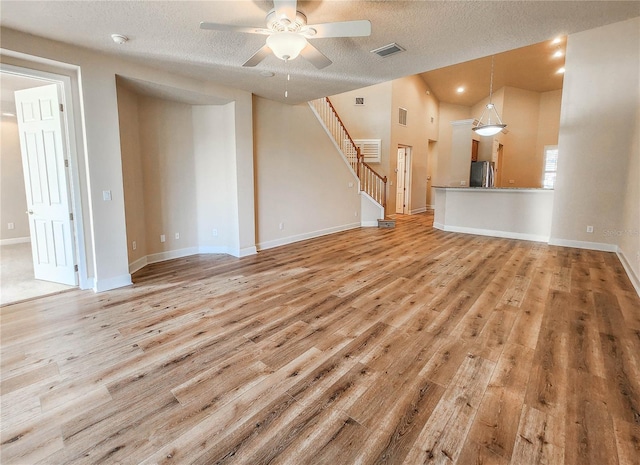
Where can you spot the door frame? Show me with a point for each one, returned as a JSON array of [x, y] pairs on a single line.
[[406, 209], [72, 174]]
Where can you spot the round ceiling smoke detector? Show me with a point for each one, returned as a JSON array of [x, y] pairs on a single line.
[[119, 38]]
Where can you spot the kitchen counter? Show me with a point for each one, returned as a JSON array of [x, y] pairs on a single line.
[[511, 212]]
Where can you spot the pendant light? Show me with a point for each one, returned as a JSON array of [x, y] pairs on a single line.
[[491, 127]]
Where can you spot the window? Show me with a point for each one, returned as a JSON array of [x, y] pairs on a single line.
[[550, 166]]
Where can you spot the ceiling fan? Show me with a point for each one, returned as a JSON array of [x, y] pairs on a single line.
[[287, 33]]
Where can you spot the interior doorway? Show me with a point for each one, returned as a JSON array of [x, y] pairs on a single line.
[[19, 256], [403, 180]]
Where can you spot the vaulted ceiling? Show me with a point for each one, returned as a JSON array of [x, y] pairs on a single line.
[[435, 34]]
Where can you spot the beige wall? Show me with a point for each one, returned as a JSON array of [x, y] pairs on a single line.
[[13, 199], [168, 165], [98, 131], [548, 123], [301, 180], [422, 124], [598, 174], [369, 121]]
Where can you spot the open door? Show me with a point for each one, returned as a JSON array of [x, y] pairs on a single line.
[[44, 165]]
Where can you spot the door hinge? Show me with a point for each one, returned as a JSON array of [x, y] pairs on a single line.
[[66, 163], [61, 107], [75, 268], [71, 216]]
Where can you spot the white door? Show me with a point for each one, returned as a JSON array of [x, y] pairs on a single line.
[[43, 162], [400, 180]]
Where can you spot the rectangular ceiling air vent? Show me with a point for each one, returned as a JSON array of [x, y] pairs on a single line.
[[388, 50], [359, 100]]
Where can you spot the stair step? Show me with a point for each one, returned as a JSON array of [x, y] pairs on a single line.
[[387, 223]]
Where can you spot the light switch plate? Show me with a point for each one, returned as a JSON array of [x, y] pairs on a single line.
[[106, 195]]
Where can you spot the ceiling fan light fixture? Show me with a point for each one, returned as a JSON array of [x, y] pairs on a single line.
[[286, 45]]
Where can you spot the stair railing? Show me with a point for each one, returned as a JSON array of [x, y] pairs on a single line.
[[371, 182]]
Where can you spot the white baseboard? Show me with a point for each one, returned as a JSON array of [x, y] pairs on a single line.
[[583, 245], [15, 240], [635, 279], [108, 284], [247, 251], [305, 236], [418, 210], [492, 233], [369, 224], [138, 264]]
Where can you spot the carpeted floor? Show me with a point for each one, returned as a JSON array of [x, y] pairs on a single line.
[[16, 276]]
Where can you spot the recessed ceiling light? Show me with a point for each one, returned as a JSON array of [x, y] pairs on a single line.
[[557, 40], [558, 54], [266, 74], [119, 38], [560, 71], [460, 90], [6, 113]]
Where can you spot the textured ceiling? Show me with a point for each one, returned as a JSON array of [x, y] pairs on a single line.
[[166, 34]]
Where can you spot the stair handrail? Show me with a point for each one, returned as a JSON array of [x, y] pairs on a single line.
[[365, 172]]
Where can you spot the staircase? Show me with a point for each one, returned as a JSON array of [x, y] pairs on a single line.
[[370, 182]]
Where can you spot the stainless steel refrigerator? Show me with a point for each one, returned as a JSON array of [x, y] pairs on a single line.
[[481, 174]]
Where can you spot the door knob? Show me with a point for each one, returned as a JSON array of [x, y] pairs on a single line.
[[30, 212]]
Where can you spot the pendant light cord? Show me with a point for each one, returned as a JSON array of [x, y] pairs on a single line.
[[491, 81]]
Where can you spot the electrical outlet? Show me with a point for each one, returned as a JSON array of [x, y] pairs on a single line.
[[11, 226], [134, 246], [281, 226], [511, 181], [214, 233], [177, 235], [162, 238], [589, 229], [463, 183], [350, 184], [355, 213]]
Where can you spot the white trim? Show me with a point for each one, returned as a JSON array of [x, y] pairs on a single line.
[[138, 264], [15, 240], [65, 75], [247, 251], [369, 224], [418, 210], [108, 284], [171, 254], [583, 245], [305, 236], [635, 280], [492, 233]]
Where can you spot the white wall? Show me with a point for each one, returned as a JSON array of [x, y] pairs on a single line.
[[448, 113], [216, 178], [98, 128], [301, 180], [598, 175], [13, 199]]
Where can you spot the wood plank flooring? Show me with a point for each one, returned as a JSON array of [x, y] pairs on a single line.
[[371, 346]]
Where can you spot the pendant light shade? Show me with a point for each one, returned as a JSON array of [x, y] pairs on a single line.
[[493, 124], [286, 45]]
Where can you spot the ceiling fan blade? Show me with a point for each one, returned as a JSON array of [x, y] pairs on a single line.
[[359, 28], [286, 9], [315, 57], [230, 28], [257, 57]]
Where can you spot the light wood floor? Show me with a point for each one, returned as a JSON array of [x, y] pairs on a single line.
[[396, 346]]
